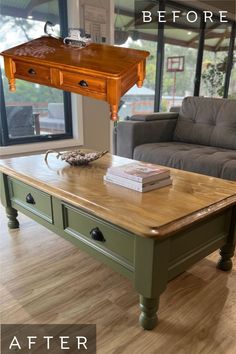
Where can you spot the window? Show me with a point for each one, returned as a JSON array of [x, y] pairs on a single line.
[[141, 100], [176, 43], [137, 100], [179, 60], [34, 112], [215, 58]]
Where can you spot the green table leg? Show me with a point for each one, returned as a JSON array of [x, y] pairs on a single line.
[[12, 213], [148, 316], [227, 251], [150, 277]]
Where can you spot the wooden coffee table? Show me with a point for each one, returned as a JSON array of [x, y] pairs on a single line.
[[148, 237]]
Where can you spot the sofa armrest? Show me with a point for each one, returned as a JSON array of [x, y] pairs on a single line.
[[154, 116], [131, 133]]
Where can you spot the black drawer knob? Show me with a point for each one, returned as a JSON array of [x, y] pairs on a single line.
[[83, 83], [32, 71], [97, 235], [29, 199]]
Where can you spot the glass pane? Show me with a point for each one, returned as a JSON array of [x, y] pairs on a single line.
[[136, 100], [33, 110], [181, 42], [232, 85], [215, 56]]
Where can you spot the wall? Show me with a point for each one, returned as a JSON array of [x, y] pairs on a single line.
[[96, 115], [96, 124]]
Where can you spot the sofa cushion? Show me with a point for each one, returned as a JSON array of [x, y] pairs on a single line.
[[212, 161], [207, 121]]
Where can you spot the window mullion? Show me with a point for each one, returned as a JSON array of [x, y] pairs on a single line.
[[230, 60]]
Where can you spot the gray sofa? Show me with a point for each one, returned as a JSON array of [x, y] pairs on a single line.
[[21, 121], [55, 122], [201, 137]]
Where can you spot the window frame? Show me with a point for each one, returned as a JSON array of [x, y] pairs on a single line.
[[230, 61], [160, 52], [198, 69]]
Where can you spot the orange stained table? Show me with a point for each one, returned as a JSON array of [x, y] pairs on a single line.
[[100, 71]]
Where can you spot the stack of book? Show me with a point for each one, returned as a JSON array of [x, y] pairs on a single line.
[[140, 176]]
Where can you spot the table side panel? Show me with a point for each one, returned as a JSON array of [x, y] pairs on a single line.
[[190, 246], [128, 80]]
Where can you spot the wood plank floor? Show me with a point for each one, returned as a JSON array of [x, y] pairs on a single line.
[[45, 279]]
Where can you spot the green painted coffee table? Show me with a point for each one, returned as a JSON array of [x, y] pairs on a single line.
[[148, 237]]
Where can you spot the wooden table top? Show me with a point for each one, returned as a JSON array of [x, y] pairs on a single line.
[[94, 59], [159, 213]]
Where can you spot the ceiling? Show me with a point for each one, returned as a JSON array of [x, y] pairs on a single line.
[[39, 9], [182, 33], [214, 5]]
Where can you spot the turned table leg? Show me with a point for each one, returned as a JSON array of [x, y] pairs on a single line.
[[150, 277], [12, 213], [114, 112], [226, 252], [148, 316]]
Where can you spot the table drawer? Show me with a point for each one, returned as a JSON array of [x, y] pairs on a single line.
[[37, 202], [83, 83], [112, 240], [33, 72]]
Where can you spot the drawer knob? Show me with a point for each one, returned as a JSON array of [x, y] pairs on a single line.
[[32, 71], [29, 199], [97, 235], [83, 83]]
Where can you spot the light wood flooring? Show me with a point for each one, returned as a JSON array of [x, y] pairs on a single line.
[[45, 279]]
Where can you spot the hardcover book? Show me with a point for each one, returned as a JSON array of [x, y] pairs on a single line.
[[140, 172], [137, 186]]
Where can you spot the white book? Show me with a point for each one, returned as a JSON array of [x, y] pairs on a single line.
[[140, 171], [139, 187], [137, 184]]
